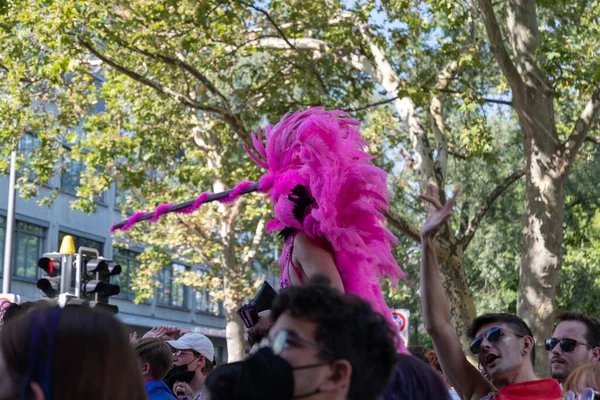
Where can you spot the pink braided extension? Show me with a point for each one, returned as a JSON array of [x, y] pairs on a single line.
[[164, 208]]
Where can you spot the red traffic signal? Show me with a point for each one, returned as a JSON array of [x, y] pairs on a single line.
[[50, 266]]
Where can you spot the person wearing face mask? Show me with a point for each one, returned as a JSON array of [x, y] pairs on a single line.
[[195, 353], [323, 345], [575, 342], [503, 342]]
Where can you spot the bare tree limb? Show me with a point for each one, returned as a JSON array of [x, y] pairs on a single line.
[[403, 226], [409, 160], [480, 97], [313, 69], [497, 46], [588, 116], [485, 206], [227, 116], [437, 123], [593, 139], [251, 251], [376, 104], [456, 152]]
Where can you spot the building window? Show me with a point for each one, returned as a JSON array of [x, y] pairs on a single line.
[[204, 303], [27, 147], [80, 241], [128, 261], [171, 294], [29, 246], [70, 178]]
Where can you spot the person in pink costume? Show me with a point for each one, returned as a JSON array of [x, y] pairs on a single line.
[[329, 201]]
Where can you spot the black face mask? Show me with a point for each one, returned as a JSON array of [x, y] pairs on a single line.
[[178, 374], [265, 375]]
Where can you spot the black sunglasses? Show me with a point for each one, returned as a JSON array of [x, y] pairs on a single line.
[[492, 335], [566, 345]]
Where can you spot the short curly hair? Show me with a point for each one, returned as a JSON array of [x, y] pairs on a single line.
[[349, 328]]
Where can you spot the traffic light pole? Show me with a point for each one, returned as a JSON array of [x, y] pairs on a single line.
[[65, 272], [10, 222]]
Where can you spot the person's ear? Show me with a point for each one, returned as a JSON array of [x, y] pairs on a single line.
[[340, 377], [38, 393], [528, 344], [200, 362], [596, 354], [146, 370]]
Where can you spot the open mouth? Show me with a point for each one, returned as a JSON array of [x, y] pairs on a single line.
[[490, 359], [180, 392]]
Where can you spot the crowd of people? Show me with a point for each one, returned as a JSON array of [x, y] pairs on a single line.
[[320, 344]]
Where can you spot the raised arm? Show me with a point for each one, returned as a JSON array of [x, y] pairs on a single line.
[[314, 259], [465, 378]]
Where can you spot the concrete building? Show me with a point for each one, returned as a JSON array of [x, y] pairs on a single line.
[[39, 230]]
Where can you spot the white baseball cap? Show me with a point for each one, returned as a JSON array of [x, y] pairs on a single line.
[[197, 342]]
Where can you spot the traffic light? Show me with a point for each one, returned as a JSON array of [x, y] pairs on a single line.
[[95, 280], [49, 283]]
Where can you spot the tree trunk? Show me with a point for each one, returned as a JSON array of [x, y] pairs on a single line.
[[541, 257], [234, 331], [462, 306]]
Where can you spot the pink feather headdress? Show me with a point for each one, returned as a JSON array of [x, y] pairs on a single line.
[[324, 152]]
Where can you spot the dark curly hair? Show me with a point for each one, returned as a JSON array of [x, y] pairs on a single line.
[[348, 327]]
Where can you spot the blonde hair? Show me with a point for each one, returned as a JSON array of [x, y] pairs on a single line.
[[587, 375]]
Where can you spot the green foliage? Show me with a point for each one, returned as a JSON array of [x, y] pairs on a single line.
[[182, 82]]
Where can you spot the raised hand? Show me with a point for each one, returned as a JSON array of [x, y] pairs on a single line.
[[133, 337], [183, 331], [438, 215]]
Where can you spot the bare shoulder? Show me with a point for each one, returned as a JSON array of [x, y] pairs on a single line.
[[303, 241]]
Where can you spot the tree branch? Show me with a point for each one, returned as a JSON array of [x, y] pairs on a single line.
[[378, 103], [403, 226], [497, 46], [480, 97], [227, 116], [283, 36], [256, 241], [437, 123], [485, 206], [455, 151], [582, 127], [593, 139]]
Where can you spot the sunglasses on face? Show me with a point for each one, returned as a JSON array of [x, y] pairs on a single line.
[[492, 335], [566, 345], [586, 394]]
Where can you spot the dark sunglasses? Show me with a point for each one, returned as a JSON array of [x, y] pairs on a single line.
[[566, 345], [492, 335]]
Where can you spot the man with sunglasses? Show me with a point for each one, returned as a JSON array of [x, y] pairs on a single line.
[[197, 352], [575, 342], [336, 346], [502, 342]]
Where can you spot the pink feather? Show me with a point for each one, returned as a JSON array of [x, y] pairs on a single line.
[[324, 151]]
